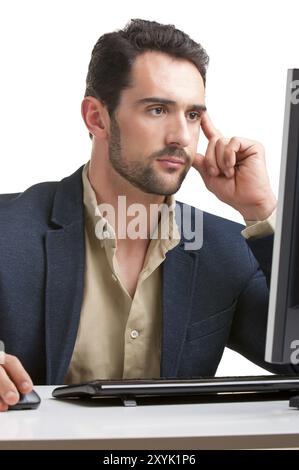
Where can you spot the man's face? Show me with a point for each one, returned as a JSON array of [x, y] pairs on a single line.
[[155, 130]]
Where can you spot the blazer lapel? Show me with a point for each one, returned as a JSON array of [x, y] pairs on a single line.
[[65, 251], [178, 286]]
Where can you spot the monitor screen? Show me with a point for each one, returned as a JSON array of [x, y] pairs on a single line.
[[282, 342]]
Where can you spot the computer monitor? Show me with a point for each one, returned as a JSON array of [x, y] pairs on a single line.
[[282, 341]]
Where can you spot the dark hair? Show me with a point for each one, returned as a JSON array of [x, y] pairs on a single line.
[[114, 54]]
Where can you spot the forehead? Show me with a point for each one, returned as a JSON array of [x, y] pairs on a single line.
[[158, 74]]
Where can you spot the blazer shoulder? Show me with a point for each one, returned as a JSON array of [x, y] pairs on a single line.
[[35, 205]]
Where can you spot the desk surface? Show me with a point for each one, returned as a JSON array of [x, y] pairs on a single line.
[[62, 425]]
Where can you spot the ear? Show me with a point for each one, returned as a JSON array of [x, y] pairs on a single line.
[[96, 117]]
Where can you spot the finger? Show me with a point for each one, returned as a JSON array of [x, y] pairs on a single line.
[[225, 157], [3, 406], [244, 147], [235, 151], [199, 165], [210, 158], [208, 127], [8, 391], [18, 374]]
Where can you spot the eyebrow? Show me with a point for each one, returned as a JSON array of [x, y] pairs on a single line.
[[156, 99]]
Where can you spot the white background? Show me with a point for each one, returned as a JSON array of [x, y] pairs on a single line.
[[45, 49]]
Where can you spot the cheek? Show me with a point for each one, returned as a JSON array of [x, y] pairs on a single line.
[[134, 142], [142, 137], [137, 130]]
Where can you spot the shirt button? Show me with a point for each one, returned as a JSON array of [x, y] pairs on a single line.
[[106, 234], [114, 277], [134, 334]]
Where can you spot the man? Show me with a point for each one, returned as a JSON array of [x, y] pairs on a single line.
[[81, 298]]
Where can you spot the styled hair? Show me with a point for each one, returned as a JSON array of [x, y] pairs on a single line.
[[113, 55]]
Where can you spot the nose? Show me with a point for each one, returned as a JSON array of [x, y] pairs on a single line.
[[178, 132]]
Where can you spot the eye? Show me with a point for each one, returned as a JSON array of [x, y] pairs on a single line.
[[157, 111], [194, 116]]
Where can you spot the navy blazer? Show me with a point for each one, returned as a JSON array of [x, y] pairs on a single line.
[[212, 297]]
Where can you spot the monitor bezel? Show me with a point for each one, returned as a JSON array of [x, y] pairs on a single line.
[[283, 319]]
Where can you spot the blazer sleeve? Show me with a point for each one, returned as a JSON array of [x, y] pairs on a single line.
[[248, 332]]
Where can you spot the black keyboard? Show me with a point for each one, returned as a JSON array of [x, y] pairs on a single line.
[[272, 385]]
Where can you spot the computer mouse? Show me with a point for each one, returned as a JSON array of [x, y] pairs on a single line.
[[27, 401]]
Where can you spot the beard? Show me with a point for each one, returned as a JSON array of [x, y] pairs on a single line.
[[141, 173]]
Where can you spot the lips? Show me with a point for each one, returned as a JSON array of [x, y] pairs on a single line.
[[171, 163], [172, 160]]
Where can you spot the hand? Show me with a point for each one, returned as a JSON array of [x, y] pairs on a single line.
[[235, 171], [13, 379]]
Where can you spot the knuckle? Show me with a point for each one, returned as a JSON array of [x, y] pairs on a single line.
[[223, 141], [219, 144], [214, 139], [12, 360], [234, 140], [209, 160]]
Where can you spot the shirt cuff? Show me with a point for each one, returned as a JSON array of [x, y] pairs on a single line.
[[262, 228]]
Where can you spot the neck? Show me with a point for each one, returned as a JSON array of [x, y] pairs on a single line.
[[108, 185]]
